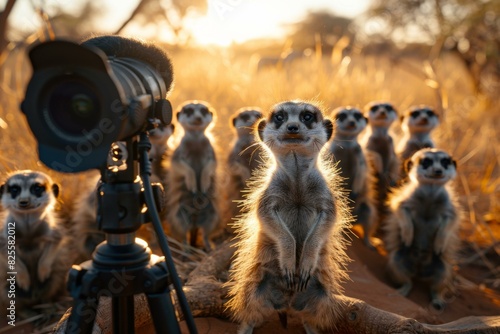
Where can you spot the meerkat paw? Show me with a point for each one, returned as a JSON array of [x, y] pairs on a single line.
[[309, 329], [191, 185], [304, 277], [439, 245], [44, 272], [289, 277], [23, 280], [245, 329], [437, 302], [405, 289], [407, 237], [288, 270]]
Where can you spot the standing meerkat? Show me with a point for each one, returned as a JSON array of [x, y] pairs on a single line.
[[417, 123], [159, 153], [290, 256], [245, 157], [422, 232], [191, 200], [380, 151], [84, 222], [42, 256], [350, 156]]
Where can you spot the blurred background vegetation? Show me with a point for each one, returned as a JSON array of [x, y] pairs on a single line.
[[444, 53]]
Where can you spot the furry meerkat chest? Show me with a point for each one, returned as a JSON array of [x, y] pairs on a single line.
[[297, 201], [196, 151], [430, 207]]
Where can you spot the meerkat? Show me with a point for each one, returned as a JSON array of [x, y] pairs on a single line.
[[417, 123], [380, 151], [159, 153], [290, 255], [245, 157], [351, 159], [84, 225], [191, 199], [43, 254], [422, 231]]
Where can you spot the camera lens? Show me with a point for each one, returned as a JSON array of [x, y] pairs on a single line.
[[73, 106]]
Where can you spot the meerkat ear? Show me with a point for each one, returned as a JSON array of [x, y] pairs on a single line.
[[234, 121], [401, 118], [260, 128], [408, 164], [55, 189], [2, 188], [178, 114], [172, 126], [453, 161], [329, 128]]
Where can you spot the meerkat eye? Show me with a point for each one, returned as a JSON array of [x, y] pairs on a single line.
[[358, 116], [415, 114], [374, 108], [245, 117], [341, 116], [14, 190], [37, 189], [279, 117], [445, 162], [188, 111], [426, 163], [204, 111], [388, 107], [430, 113], [308, 117]]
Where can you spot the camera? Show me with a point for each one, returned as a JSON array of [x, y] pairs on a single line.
[[84, 97]]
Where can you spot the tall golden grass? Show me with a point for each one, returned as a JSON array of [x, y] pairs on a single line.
[[229, 80]]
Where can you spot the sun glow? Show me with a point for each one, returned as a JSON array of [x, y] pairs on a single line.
[[234, 21], [229, 21], [226, 21]]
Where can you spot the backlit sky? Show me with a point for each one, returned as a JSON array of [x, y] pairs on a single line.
[[226, 20]]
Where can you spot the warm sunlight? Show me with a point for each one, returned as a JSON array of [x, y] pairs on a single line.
[[226, 21], [240, 20]]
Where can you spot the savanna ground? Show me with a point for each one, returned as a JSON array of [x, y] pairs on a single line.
[[228, 79]]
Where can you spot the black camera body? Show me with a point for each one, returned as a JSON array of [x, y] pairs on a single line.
[[82, 98]]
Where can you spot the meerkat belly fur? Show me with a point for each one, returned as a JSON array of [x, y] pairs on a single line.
[[417, 123], [353, 166], [381, 153], [43, 254], [290, 256], [245, 157], [422, 232], [192, 195]]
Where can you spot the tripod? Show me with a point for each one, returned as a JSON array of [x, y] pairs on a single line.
[[122, 265]]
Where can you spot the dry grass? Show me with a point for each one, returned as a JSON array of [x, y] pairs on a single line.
[[229, 81]]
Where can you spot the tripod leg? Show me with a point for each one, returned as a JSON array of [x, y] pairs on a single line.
[[82, 316], [163, 312], [123, 314]]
